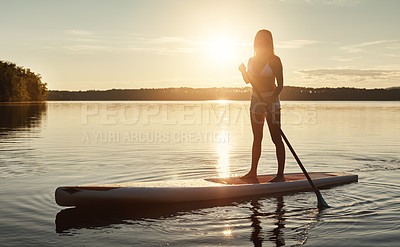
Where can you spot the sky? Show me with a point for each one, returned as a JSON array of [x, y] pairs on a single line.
[[98, 44]]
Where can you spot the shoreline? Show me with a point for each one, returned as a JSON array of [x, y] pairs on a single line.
[[289, 93], [233, 93]]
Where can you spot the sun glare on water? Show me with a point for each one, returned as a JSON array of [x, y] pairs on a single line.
[[223, 166], [222, 49], [227, 231]]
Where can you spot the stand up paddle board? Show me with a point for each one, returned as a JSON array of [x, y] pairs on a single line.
[[177, 191]]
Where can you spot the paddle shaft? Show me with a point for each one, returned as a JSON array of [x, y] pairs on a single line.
[[321, 201]]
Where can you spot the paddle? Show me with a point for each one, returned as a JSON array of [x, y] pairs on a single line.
[[321, 202]]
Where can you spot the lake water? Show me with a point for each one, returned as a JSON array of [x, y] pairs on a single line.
[[43, 146]]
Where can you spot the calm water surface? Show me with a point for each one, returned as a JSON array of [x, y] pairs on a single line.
[[43, 146]]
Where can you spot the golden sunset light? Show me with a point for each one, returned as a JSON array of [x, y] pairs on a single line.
[[135, 44], [223, 49], [223, 167], [199, 123]]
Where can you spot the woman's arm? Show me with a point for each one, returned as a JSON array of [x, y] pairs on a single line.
[[245, 75], [279, 77]]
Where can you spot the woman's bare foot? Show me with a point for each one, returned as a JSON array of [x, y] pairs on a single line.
[[249, 175], [277, 179]]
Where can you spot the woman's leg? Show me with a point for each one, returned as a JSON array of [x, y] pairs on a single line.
[[279, 146], [257, 125]]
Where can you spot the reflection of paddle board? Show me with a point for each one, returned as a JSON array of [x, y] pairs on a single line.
[[193, 190]]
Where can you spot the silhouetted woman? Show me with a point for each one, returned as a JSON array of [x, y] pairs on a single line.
[[262, 70]]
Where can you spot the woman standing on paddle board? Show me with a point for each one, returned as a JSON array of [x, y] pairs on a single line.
[[262, 70]]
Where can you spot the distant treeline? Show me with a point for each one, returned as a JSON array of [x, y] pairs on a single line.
[[20, 84], [184, 93]]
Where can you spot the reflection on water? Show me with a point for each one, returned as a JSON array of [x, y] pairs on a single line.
[[276, 235], [78, 218], [256, 235], [227, 231], [223, 167], [20, 115], [223, 147], [69, 220]]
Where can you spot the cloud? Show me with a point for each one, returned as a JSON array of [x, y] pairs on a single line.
[[344, 59], [78, 32], [168, 45], [166, 40], [366, 78], [380, 44], [349, 72], [341, 2], [90, 49], [88, 42], [294, 44], [329, 2]]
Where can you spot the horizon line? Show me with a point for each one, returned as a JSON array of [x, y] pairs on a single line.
[[156, 88]]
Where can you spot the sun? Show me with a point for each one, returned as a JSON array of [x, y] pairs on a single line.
[[222, 48]]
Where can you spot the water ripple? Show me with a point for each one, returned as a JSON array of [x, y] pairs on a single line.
[[36, 160]]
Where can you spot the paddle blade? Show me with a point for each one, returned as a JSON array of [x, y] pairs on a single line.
[[321, 202]]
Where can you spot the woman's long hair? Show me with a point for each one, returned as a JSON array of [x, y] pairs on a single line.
[[264, 44]]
